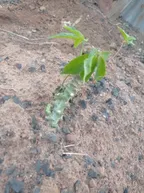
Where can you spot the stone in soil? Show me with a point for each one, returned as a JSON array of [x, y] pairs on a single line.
[[52, 137], [66, 130], [1, 171], [89, 161], [115, 92], [140, 157], [35, 124], [26, 104], [47, 171], [43, 68], [94, 117], [93, 174], [19, 66], [16, 100], [43, 168], [67, 190], [82, 104], [34, 150], [6, 97], [125, 190], [1, 160], [77, 185], [14, 186], [36, 190], [11, 170], [105, 113]]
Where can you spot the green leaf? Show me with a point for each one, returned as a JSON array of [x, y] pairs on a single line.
[[100, 69], [64, 35], [75, 66], [123, 33], [89, 65], [75, 35], [127, 38], [77, 42], [74, 31], [105, 55]]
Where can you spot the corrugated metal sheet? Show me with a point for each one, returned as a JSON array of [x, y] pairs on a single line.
[[134, 14]]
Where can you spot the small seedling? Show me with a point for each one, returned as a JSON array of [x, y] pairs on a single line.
[[127, 38], [81, 69]]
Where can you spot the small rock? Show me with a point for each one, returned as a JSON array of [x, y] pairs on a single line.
[[66, 130], [77, 185], [94, 117], [105, 114], [38, 165], [16, 100], [14, 186], [32, 69], [112, 164], [89, 161], [113, 46], [34, 150], [1, 171], [92, 183], [42, 9], [102, 191], [36, 190], [6, 97], [11, 170], [115, 92], [140, 157], [26, 104], [1, 160], [66, 190], [43, 68], [19, 66], [71, 138], [47, 171], [93, 174], [35, 124], [125, 190], [82, 104], [52, 137], [39, 179], [83, 188]]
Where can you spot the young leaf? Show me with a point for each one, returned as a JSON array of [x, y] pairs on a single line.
[[75, 35], [64, 35], [75, 66], [89, 65], [127, 38], [100, 69], [74, 31]]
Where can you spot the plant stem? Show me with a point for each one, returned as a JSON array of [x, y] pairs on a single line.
[[118, 50], [81, 52], [65, 79]]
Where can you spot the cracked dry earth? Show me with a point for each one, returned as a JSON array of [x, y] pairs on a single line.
[[105, 121]]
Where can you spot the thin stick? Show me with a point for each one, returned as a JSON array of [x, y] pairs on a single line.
[[72, 145], [25, 38], [118, 50], [71, 153]]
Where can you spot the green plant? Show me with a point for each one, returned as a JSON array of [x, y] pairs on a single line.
[[127, 38], [81, 69]]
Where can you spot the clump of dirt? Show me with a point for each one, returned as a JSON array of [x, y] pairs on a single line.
[[99, 147]]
